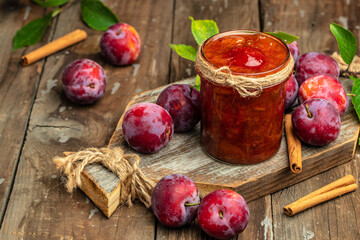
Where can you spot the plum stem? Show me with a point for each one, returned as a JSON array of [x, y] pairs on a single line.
[[118, 32], [221, 215], [351, 94], [347, 73], [191, 204], [59, 10], [92, 85], [308, 111]]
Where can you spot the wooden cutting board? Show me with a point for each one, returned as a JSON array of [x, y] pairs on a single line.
[[184, 155]]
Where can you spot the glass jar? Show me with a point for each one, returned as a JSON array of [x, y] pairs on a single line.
[[242, 123]]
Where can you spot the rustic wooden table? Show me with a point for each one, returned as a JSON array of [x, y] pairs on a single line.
[[37, 122]]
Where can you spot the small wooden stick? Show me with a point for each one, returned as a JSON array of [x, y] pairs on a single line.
[[344, 181], [294, 146], [339, 187], [54, 46]]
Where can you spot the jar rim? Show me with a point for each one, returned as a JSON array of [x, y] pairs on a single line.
[[235, 32]]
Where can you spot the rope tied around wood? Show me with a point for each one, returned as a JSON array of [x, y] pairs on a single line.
[[134, 184]]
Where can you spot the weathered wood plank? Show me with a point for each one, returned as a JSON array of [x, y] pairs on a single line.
[[18, 87], [336, 219], [310, 20], [252, 181], [40, 208], [260, 225]]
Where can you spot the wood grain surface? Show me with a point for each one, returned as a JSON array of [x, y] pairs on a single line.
[[18, 87], [37, 122]]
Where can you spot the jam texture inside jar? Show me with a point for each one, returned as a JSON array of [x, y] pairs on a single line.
[[239, 124]]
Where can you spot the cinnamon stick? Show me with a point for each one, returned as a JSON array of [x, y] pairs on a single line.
[[54, 46], [339, 187], [294, 146]]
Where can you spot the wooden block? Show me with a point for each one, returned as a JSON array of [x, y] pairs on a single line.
[[183, 154]]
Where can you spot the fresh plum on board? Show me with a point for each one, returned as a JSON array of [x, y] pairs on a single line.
[[175, 200], [182, 101], [313, 63], [84, 81], [325, 87], [292, 89], [120, 44], [147, 127], [294, 50], [223, 214], [316, 122]]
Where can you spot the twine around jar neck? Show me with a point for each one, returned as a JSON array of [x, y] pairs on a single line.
[[244, 85]]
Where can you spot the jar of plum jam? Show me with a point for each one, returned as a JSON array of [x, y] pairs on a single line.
[[243, 75]]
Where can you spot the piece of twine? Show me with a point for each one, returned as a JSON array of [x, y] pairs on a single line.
[[245, 86], [134, 184]]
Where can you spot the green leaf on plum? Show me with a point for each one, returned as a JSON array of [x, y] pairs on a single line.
[[32, 32], [285, 37], [185, 51], [356, 98], [96, 15], [346, 41], [203, 29], [50, 3]]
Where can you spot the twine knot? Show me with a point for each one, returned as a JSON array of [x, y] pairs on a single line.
[[134, 184], [255, 88]]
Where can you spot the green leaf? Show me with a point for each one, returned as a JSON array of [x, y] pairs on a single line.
[[96, 15], [197, 83], [203, 29], [50, 3], [185, 51], [32, 32], [285, 37], [356, 99], [346, 42]]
